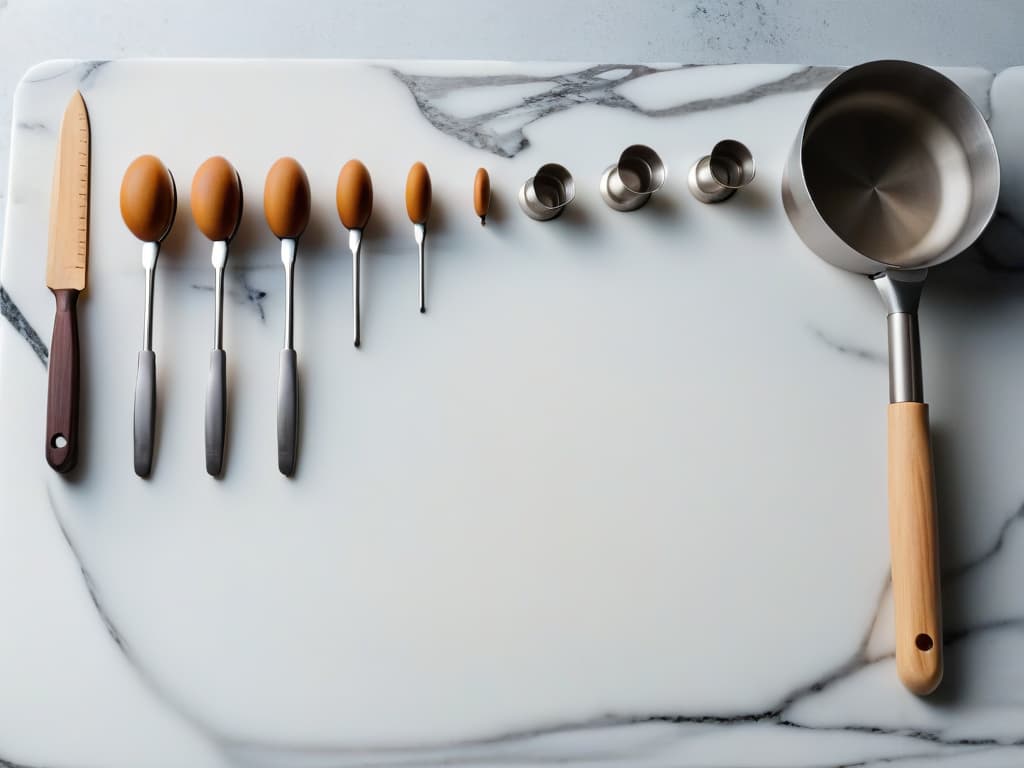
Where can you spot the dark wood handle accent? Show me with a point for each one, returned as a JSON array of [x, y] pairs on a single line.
[[62, 397]]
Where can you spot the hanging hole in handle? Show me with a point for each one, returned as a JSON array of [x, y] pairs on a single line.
[[58, 441], [924, 642]]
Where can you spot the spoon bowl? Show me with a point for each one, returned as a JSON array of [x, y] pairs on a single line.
[[217, 199], [149, 199], [286, 198]]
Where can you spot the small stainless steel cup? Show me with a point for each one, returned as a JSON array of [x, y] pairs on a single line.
[[629, 184], [545, 195], [717, 176]]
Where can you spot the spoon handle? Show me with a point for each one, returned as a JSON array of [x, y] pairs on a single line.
[[420, 233], [914, 542], [287, 413], [355, 240], [145, 412], [216, 410]]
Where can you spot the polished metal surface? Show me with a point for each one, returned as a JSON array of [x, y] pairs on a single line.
[[905, 382], [355, 243], [717, 176], [287, 412], [894, 170], [288, 246], [629, 184], [219, 258], [216, 385], [419, 231], [144, 415], [894, 166], [216, 411], [218, 308], [901, 295], [545, 195], [150, 252], [900, 289], [287, 381]]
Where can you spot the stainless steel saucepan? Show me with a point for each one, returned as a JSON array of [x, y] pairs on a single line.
[[893, 171]]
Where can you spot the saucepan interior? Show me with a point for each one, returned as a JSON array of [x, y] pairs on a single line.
[[899, 164]]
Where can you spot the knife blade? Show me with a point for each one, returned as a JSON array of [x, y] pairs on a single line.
[[65, 277]]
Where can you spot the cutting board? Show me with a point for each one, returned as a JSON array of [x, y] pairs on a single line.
[[617, 498]]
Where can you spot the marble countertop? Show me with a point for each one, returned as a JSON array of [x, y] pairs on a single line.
[[617, 500]]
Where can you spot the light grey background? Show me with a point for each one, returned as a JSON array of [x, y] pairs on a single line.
[[987, 33]]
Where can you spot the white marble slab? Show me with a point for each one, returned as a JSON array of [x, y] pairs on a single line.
[[618, 499]]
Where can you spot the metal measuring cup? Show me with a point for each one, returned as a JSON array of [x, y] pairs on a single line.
[[893, 171], [717, 176], [545, 195], [629, 183]]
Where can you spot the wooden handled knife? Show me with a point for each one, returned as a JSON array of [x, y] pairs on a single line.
[[65, 276]]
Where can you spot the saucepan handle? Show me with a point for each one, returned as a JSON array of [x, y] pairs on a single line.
[[913, 538]]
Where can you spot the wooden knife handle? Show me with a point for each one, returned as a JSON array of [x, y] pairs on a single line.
[[914, 542], [62, 396]]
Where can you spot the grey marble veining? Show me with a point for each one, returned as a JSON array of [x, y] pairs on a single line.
[[568, 90], [242, 294], [13, 315], [500, 748]]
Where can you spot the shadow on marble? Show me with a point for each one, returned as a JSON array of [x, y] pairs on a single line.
[[498, 209], [315, 243], [966, 306], [576, 217], [756, 201], [663, 207], [179, 243], [252, 237]]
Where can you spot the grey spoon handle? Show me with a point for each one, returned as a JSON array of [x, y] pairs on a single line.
[[287, 412], [145, 412], [216, 410]]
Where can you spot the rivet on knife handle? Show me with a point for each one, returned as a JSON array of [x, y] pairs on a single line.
[[65, 275]]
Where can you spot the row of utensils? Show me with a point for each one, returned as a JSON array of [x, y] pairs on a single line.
[[148, 201], [640, 172], [148, 204]]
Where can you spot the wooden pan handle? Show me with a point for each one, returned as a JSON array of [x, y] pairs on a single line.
[[62, 396], [915, 560]]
